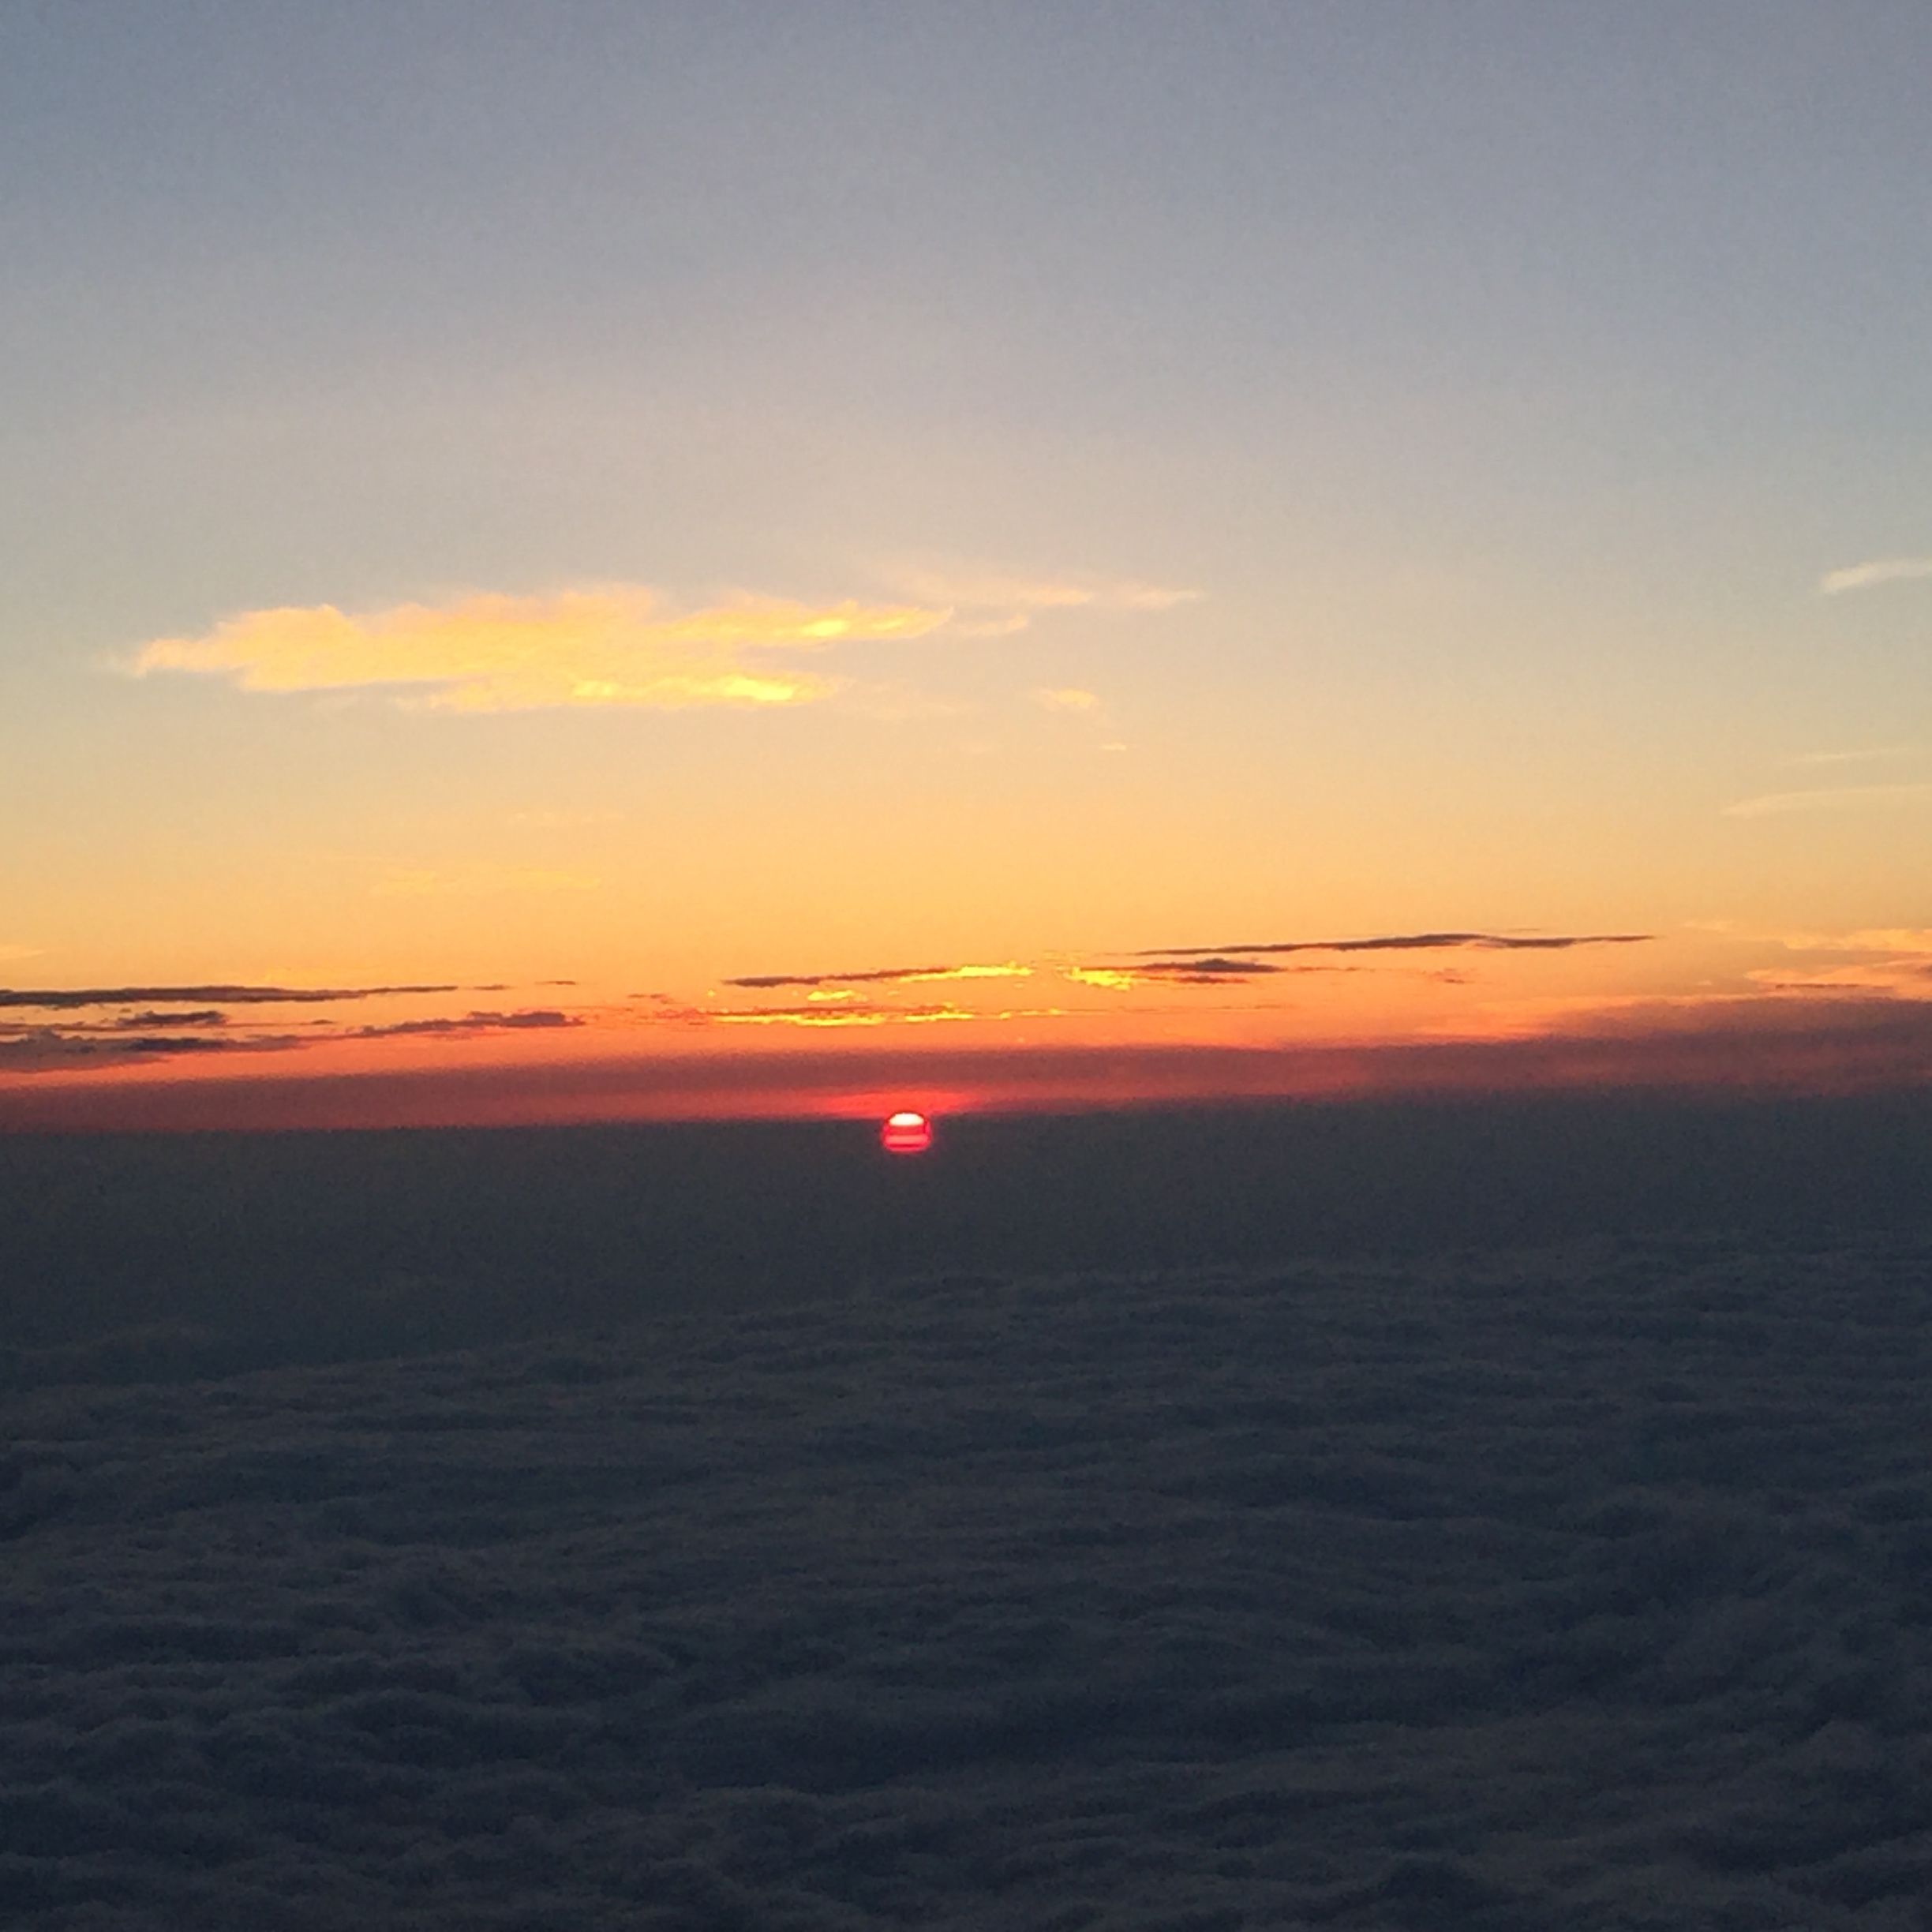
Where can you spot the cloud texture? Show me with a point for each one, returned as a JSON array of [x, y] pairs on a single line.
[[1353, 1595]]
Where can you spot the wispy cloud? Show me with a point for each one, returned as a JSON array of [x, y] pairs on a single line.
[[1843, 798], [1067, 698], [1879, 570], [1897, 939], [613, 647], [1413, 942], [882, 975], [19, 952], [1871, 755], [995, 604], [1907, 978], [479, 880], [827, 1017]]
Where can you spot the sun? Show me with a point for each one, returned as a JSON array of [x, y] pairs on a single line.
[[906, 1132]]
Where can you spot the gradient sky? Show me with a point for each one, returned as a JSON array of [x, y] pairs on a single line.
[[653, 496]]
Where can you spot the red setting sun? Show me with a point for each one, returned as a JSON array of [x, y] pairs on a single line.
[[906, 1132]]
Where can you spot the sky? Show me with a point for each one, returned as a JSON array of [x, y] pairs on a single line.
[[571, 561]]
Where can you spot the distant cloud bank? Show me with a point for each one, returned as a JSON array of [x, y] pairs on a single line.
[[1834, 1041]]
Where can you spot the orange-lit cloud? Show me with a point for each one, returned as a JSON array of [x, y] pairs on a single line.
[[1195, 966], [864, 1014], [1870, 939], [1067, 698], [610, 646]]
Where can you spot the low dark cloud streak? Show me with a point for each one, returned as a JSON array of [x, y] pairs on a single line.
[[64, 1000], [530, 1018], [1213, 970], [48, 1047], [883, 975], [1410, 942]]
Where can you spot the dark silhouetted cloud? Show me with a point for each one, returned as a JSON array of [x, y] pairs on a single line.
[[538, 1018], [1416, 943], [49, 1049], [52, 999], [187, 1043], [1210, 970]]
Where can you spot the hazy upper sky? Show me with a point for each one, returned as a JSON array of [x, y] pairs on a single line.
[[652, 496]]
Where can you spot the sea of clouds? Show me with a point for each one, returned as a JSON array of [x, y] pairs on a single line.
[[1588, 1587]]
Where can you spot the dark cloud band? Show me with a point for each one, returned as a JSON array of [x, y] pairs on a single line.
[[49, 999], [882, 975], [1410, 942]]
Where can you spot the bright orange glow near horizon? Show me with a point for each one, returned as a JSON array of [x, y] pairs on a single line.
[[1287, 1018]]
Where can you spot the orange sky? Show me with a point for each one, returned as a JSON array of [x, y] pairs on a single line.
[[1423, 1012]]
